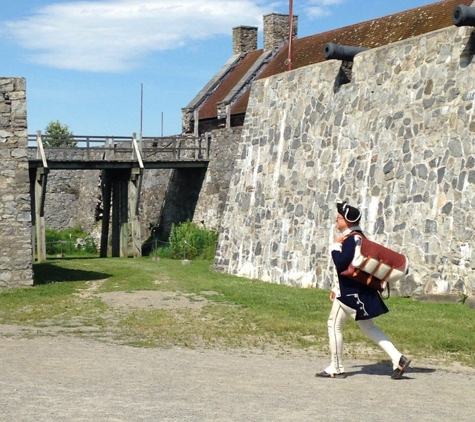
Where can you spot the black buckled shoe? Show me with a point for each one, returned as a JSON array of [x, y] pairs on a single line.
[[403, 364], [327, 375]]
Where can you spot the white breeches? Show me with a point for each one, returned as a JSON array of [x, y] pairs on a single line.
[[338, 316]]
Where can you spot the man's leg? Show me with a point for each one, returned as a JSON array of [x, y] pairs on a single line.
[[338, 316], [375, 333], [399, 361]]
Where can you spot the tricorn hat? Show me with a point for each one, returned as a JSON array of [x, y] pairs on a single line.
[[348, 212]]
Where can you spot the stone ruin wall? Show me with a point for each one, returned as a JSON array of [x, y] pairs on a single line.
[[63, 205], [15, 209], [398, 141], [72, 196]]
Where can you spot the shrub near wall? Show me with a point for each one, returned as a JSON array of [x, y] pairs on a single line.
[[188, 241]]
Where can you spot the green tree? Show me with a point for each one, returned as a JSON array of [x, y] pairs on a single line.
[[56, 134]]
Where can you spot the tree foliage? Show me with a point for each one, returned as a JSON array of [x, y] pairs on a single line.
[[56, 135]]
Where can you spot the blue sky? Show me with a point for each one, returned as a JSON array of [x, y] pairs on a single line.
[[85, 61]]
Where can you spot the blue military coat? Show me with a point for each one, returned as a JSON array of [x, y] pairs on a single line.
[[365, 301]]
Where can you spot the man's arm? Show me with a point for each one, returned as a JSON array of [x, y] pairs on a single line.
[[342, 258]]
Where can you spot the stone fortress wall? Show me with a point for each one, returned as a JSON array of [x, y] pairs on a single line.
[[15, 208], [214, 192], [397, 141]]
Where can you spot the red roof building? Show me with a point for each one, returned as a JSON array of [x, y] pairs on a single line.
[[223, 101]]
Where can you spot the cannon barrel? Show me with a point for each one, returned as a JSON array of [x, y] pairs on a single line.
[[342, 52], [463, 16]]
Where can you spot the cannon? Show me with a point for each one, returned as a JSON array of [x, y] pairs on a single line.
[[342, 52], [463, 16]]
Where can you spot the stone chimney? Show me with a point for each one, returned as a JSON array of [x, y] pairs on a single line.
[[276, 30], [244, 39]]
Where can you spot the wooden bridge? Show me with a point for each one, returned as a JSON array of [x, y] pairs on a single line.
[[122, 161]]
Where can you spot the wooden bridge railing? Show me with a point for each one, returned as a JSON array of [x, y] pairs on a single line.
[[118, 148], [47, 152]]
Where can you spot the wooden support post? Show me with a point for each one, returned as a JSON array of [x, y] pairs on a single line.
[[196, 115], [123, 218], [135, 186], [33, 214], [33, 241], [115, 218], [200, 144], [40, 194], [106, 190], [177, 148], [228, 116], [208, 145]]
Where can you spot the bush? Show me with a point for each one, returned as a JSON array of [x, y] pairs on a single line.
[[66, 242], [162, 252], [188, 241]]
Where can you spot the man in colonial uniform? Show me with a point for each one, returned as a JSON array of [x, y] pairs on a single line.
[[355, 300]]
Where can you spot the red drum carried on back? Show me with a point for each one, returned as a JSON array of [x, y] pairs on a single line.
[[375, 265]]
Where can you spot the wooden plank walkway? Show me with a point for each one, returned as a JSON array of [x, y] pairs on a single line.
[[117, 152]]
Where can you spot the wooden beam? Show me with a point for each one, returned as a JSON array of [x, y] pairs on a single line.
[[106, 191], [115, 218], [135, 185], [40, 195], [122, 165], [33, 214], [124, 219]]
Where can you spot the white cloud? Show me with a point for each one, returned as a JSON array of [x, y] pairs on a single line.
[[114, 35], [319, 8]]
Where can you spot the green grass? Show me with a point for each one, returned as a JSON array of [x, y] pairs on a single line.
[[239, 312]]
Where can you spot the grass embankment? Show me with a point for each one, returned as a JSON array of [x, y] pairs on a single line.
[[238, 312]]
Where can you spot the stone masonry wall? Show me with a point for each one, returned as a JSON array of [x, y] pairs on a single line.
[[72, 196], [16, 268], [62, 209], [398, 141], [223, 149]]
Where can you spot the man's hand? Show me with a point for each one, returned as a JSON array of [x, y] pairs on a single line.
[[332, 296]]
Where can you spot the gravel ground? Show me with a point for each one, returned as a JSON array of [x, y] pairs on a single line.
[[71, 379], [46, 377]]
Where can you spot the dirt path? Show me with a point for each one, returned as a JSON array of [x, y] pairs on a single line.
[[65, 378], [70, 379]]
